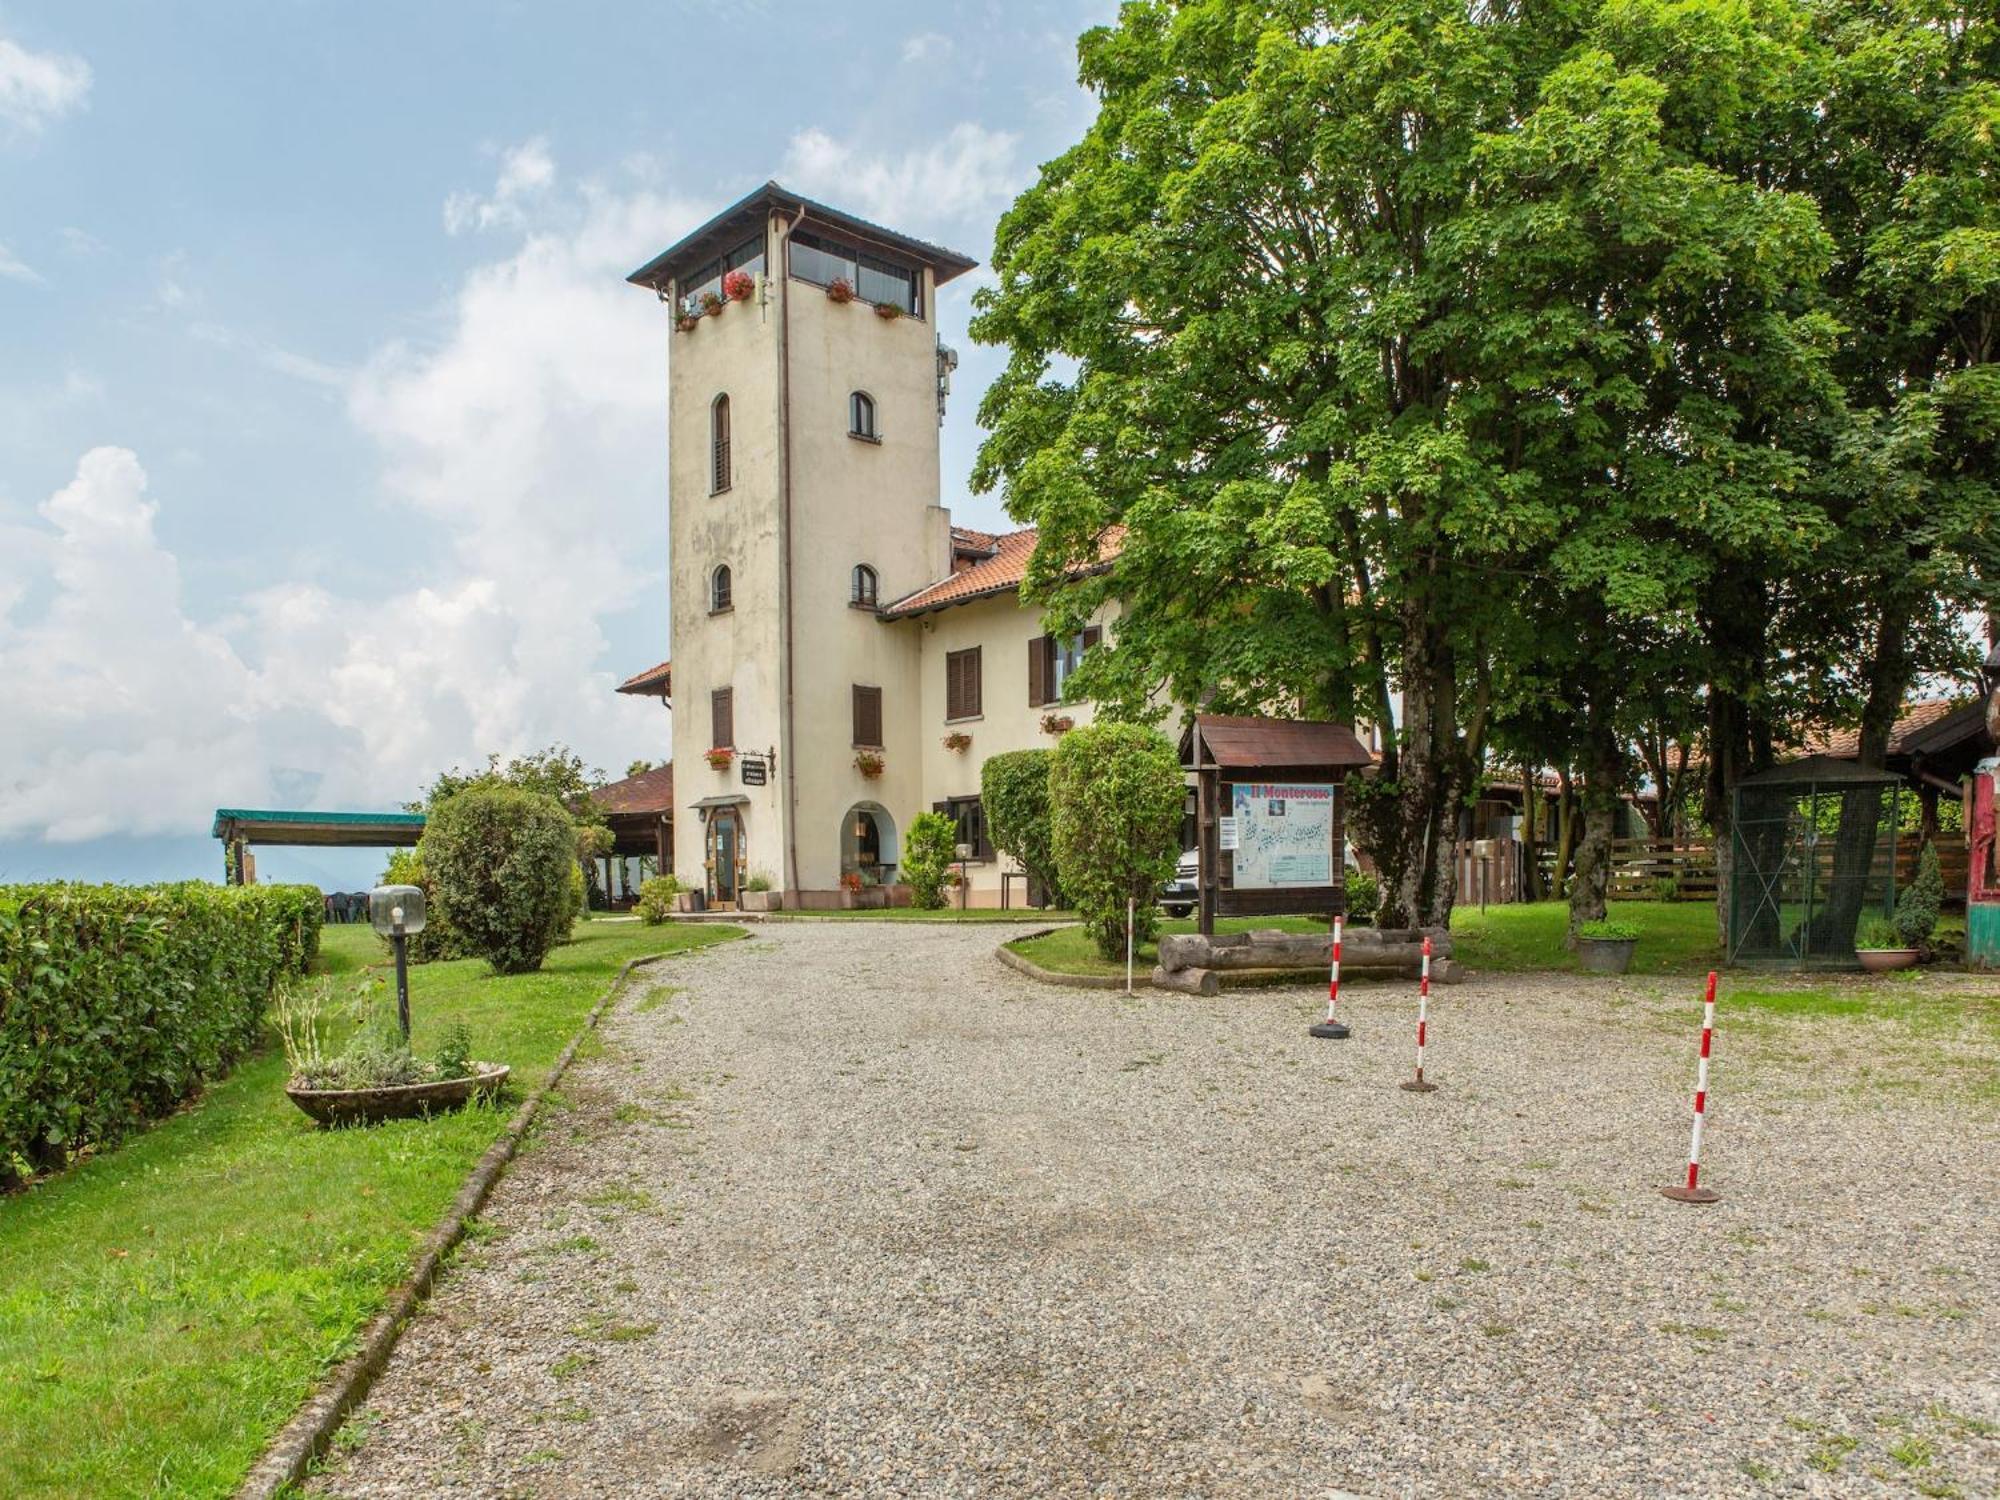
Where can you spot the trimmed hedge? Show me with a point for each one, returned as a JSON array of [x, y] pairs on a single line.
[[118, 1002], [504, 870], [1116, 794]]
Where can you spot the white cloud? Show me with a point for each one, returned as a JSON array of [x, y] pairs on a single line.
[[965, 175], [13, 268], [530, 429], [37, 88], [526, 172], [272, 357], [927, 46], [81, 241]]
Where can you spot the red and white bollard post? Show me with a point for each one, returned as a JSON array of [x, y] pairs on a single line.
[[1692, 1192], [1330, 1027], [1417, 1085]]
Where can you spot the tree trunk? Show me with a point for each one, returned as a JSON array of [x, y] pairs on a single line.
[[1565, 835], [1431, 779], [1739, 731], [1603, 773], [1531, 857]]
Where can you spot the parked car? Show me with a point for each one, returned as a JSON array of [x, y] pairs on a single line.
[[1180, 895]]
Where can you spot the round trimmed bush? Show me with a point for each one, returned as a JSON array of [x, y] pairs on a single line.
[[1116, 794], [502, 864]]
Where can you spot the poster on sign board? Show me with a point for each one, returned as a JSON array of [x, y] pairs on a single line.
[[1284, 835]]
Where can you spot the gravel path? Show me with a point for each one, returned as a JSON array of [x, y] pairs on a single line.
[[856, 1210]]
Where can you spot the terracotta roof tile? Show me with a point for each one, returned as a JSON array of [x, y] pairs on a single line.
[[998, 574], [654, 682], [1845, 744], [648, 792]]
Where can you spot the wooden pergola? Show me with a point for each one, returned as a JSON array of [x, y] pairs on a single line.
[[640, 814], [240, 828]]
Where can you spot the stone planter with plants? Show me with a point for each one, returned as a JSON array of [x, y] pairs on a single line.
[[859, 894], [757, 895], [376, 1076], [1880, 947], [1605, 946]]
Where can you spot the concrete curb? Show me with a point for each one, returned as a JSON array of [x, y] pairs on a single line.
[[1034, 970], [305, 1437]]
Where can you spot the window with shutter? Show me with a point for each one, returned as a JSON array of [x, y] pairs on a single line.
[[722, 717], [1038, 671], [962, 684], [718, 445], [868, 717]]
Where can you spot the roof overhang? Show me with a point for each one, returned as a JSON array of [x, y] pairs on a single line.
[[1291, 747], [744, 217], [340, 830]]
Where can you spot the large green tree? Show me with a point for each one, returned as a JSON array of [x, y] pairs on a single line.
[[1364, 322]]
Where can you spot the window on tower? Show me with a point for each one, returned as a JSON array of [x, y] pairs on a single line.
[[718, 590], [718, 445], [706, 280], [823, 260], [861, 417], [864, 590]]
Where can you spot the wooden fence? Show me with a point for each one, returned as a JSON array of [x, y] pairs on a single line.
[[1639, 867]]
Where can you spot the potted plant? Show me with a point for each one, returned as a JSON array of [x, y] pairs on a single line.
[[958, 740], [861, 891], [688, 322], [739, 286], [711, 305], [1605, 947], [757, 894], [869, 763], [1057, 723], [1880, 946], [888, 312], [376, 1076], [840, 289], [719, 758]]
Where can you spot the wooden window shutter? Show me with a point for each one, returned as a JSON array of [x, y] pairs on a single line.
[[1038, 671], [722, 717], [868, 716], [1091, 636], [961, 684], [975, 671]]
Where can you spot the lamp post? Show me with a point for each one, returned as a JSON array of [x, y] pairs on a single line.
[[397, 912]]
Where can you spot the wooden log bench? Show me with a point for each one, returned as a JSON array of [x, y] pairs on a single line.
[[1193, 964]]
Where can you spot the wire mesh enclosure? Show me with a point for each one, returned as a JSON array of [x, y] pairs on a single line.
[[1813, 855]]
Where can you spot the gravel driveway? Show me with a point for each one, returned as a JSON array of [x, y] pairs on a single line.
[[853, 1209]]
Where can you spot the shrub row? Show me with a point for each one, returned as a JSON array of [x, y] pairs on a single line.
[[118, 1002]]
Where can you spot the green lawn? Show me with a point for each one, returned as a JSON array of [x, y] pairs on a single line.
[[1676, 937], [164, 1308]]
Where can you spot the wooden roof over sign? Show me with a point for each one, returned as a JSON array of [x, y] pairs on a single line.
[[1237, 743], [341, 830]]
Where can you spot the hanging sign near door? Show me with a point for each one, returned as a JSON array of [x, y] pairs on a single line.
[[756, 770]]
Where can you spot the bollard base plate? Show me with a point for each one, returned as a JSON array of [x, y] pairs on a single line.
[[1418, 1086], [1331, 1029], [1691, 1195]]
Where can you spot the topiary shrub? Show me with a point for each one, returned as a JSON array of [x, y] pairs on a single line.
[[656, 899], [1014, 790], [503, 868], [1917, 908], [1116, 794], [929, 845]]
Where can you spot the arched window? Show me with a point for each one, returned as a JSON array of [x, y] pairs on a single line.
[[865, 590], [718, 445], [718, 589], [861, 416]]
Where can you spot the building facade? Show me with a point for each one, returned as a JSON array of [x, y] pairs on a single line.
[[843, 657]]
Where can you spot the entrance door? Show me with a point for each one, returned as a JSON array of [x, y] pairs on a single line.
[[725, 840]]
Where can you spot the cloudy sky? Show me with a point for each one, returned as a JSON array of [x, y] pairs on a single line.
[[331, 440]]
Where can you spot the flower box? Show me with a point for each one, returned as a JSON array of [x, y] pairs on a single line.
[[688, 322], [958, 740], [839, 290], [712, 305], [1057, 723], [720, 758], [888, 312], [761, 900], [739, 286], [868, 763]]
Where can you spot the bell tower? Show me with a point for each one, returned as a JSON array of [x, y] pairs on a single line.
[[805, 377]]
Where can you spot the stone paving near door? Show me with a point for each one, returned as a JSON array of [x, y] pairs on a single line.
[[853, 1209]]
